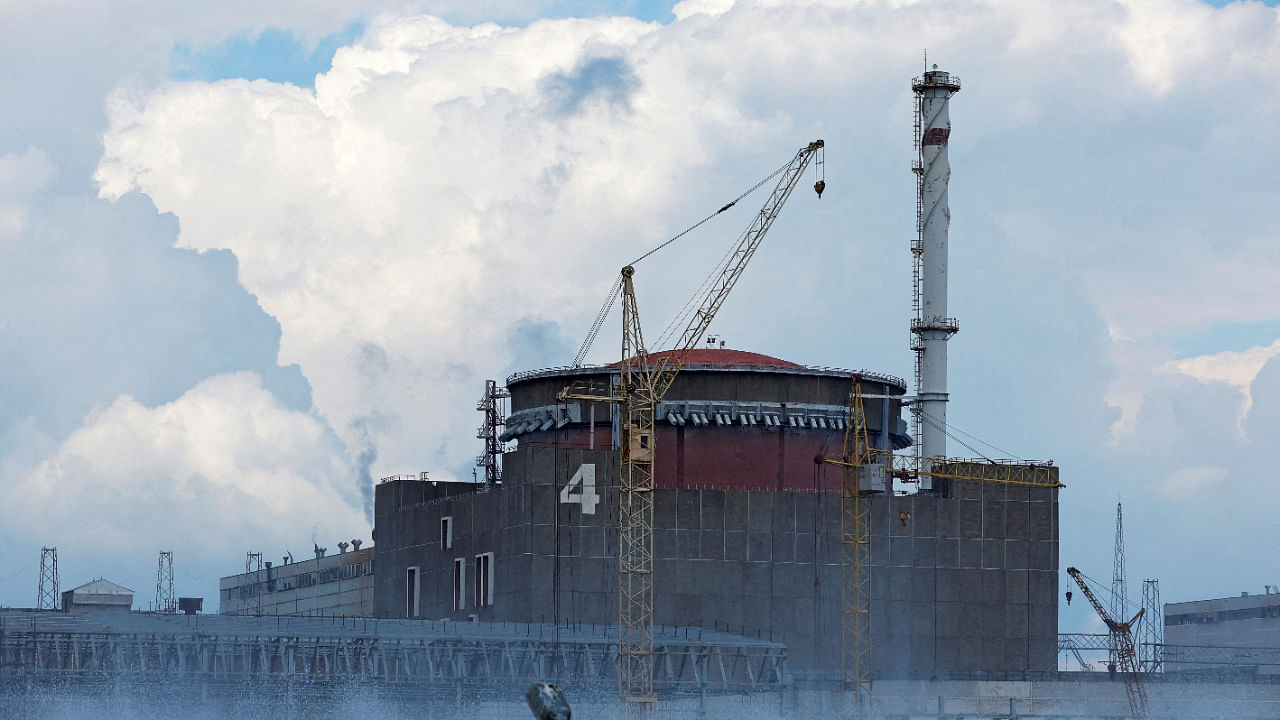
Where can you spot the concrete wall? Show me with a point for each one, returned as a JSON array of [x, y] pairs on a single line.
[[1067, 695], [966, 582]]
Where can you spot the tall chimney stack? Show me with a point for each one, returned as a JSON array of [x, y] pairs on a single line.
[[932, 325]]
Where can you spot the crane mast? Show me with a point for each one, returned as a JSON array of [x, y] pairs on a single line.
[[855, 554], [642, 386], [1122, 640]]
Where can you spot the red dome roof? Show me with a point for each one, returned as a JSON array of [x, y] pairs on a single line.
[[719, 357]]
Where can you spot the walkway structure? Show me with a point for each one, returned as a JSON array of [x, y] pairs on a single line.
[[195, 648]]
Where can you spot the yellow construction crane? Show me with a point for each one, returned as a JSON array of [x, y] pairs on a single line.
[[858, 481], [1122, 640], [865, 473], [644, 381]]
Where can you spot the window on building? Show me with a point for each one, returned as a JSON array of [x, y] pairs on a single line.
[[484, 580], [446, 532], [411, 607], [459, 583]]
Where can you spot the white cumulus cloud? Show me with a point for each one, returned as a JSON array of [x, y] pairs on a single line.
[[221, 470]]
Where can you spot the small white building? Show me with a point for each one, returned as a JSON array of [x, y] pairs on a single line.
[[98, 595]]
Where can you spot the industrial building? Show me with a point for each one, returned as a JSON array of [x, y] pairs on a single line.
[[740, 521], [98, 595], [746, 531], [1224, 634], [338, 585]]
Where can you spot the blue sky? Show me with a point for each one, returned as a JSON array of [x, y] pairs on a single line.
[[339, 269], [279, 56], [272, 54]]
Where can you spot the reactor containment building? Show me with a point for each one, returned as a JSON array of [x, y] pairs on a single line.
[[747, 526]]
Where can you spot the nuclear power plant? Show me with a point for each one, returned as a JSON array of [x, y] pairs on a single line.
[[705, 530]]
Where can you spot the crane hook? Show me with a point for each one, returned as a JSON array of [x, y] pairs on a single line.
[[819, 186]]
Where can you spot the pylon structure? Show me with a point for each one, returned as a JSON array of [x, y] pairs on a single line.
[[1151, 631], [47, 594], [165, 602], [1119, 591]]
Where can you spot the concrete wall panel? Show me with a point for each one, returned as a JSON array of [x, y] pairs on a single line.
[[758, 563]]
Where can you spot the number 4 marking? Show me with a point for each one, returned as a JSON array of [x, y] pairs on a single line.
[[586, 497]]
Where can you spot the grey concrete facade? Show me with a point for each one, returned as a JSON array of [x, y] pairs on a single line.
[[965, 581], [1195, 632], [339, 585]]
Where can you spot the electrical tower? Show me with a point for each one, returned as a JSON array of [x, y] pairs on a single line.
[[252, 564], [165, 602], [1119, 593], [48, 594], [1151, 631], [494, 407]]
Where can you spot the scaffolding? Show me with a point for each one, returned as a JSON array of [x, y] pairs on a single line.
[[493, 405]]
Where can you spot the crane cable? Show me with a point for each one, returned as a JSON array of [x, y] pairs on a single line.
[[726, 206], [933, 422], [1099, 589], [695, 300], [609, 300], [948, 429], [612, 297]]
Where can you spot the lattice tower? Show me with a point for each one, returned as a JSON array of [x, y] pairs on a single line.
[[165, 601], [1151, 632], [1119, 591], [47, 594], [252, 564]]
